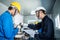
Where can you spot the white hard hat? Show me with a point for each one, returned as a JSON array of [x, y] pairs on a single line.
[[40, 8]]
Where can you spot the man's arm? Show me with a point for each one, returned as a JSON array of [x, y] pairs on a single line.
[[35, 27], [8, 26]]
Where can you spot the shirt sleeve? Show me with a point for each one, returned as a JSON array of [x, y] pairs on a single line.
[[35, 27], [8, 26]]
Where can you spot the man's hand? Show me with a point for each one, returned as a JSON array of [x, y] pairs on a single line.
[[15, 26]]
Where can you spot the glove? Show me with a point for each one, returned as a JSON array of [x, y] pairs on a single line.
[[15, 26], [36, 22]]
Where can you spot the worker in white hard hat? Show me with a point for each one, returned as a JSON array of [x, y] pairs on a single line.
[[7, 29], [45, 27]]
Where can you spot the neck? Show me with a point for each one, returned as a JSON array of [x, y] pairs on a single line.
[[43, 16], [9, 11]]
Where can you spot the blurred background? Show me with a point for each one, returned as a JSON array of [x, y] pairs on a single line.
[[52, 7]]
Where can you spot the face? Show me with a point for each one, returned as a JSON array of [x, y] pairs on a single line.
[[14, 11], [39, 14]]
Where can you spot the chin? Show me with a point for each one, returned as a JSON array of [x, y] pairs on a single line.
[[12, 15]]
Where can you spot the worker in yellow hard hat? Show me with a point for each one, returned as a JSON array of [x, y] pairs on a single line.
[[7, 29]]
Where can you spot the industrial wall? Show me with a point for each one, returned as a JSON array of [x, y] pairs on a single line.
[[56, 18]]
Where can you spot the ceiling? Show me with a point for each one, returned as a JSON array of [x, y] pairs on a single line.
[[29, 5]]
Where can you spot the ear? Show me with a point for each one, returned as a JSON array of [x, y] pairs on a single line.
[[45, 12]]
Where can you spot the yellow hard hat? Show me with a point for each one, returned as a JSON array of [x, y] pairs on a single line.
[[17, 5]]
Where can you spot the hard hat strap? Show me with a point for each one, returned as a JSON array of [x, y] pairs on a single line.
[[15, 12]]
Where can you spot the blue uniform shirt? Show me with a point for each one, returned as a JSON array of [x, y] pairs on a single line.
[[7, 30]]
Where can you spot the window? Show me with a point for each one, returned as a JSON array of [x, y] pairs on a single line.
[[57, 22]]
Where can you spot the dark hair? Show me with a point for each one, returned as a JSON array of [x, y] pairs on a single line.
[[42, 11], [10, 8]]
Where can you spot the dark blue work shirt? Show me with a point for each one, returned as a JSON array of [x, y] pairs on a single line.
[[45, 28]]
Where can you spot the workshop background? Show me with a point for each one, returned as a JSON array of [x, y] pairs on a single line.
[[52, 7]]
